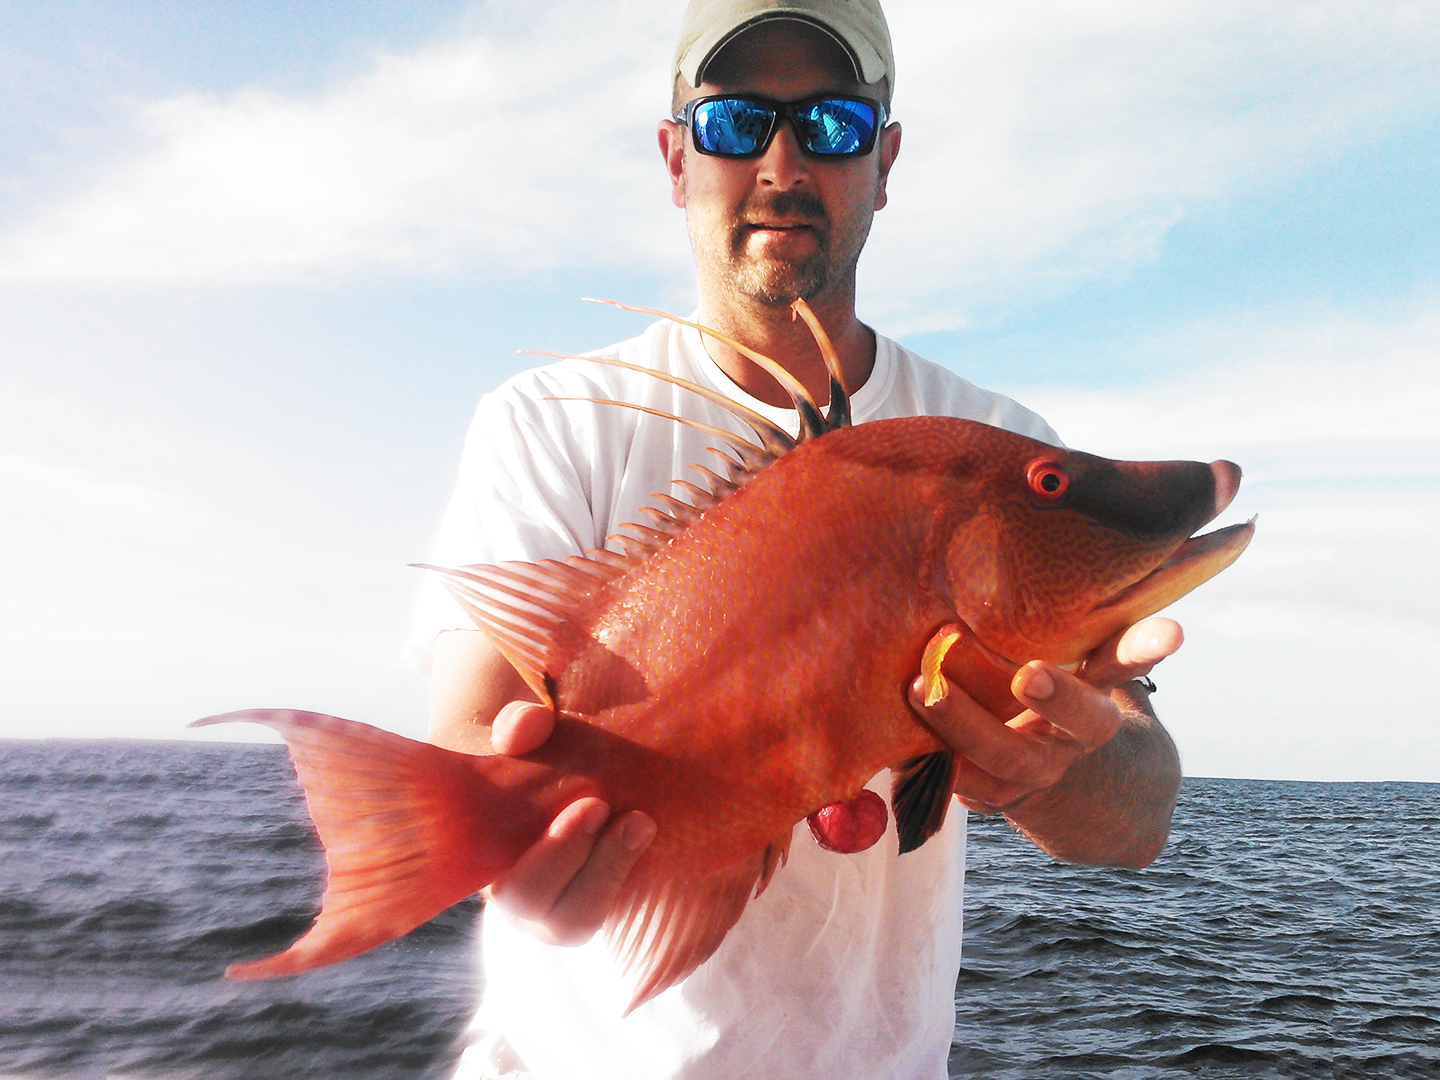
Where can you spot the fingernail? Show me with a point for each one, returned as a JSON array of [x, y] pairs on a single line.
[[1039, 684], [930, 694], [593, 819], [638, 833]]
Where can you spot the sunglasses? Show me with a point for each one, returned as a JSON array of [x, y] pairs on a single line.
[[735, 126]]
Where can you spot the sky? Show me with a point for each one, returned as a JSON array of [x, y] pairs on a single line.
[[257, 263]]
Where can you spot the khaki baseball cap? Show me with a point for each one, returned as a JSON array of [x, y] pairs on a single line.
[[858, 26]]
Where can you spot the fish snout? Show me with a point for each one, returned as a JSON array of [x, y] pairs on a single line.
[[1227, 483]]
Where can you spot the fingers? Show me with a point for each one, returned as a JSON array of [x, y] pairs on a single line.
[[564, 886], [520, 727], [1003, 762], [587, 900], [1133, 652], [1067, 716], [533, 885], [1082, 711]]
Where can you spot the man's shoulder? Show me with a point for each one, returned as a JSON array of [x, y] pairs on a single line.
[[917, 386]]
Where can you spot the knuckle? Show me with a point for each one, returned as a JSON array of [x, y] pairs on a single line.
[[519, 903], [571, 928], [1013, 761]]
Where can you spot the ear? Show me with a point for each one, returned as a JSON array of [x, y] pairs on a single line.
[[889, 149], [672, 138]]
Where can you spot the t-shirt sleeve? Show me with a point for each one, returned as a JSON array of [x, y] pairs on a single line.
[[522, 493]]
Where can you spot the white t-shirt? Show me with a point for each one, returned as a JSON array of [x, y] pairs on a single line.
[[846, 965]]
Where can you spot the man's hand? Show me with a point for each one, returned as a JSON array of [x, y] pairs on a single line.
[[562, 888], [1086, 771]]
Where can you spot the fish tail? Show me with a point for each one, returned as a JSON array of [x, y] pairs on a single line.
[[408, 828]]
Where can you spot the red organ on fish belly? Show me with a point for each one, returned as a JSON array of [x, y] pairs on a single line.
[[744, 665]]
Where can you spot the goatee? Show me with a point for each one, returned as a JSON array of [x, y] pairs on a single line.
[[774, 281]]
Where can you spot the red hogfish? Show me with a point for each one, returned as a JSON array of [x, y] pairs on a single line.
[[743, 662]]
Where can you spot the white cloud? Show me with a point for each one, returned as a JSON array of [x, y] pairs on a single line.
[[131, 606], [1300, 658], [523, 148], [1045, 141], [1049, 141]]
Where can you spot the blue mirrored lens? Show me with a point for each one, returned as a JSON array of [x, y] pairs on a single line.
[[836, 126], [731, 125]]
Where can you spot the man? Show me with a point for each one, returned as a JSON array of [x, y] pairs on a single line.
[[847, 964]]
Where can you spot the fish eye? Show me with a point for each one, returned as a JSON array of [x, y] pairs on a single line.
[[1047, 478]]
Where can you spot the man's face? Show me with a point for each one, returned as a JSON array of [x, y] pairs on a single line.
[[782, 225]]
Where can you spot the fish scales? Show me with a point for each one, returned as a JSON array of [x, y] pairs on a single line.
[[766, 706], [746, 666]]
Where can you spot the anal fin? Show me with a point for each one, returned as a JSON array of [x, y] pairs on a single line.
[[921, 796], [661, 930]]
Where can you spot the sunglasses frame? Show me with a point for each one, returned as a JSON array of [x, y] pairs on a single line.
[[781, 110]]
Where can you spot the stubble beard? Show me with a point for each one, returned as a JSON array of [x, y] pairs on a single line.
[[771, 281]]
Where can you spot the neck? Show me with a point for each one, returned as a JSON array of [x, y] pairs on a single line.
[[769, 329]]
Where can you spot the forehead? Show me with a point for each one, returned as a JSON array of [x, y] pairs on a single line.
[[781, 58]]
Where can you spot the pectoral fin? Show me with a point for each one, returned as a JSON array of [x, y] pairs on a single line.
[[921, 796]]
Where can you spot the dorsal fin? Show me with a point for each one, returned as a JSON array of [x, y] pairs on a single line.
[[775, 439], [838, 414], [749, 461], [812, 421], [521, 605]]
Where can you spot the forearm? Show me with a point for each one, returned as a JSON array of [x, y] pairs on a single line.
[[470, 681], [1112, 806]]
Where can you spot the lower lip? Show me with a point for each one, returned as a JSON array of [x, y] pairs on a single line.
[[769, 236]]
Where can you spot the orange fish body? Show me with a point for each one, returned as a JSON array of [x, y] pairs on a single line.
[[746, 663]]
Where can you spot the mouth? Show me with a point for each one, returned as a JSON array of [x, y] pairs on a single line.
[[778, 226], [1193, 563]]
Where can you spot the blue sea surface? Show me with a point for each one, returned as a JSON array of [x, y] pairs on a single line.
[[1289, 930]]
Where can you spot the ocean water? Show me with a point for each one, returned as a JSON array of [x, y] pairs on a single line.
[[1290, 930]]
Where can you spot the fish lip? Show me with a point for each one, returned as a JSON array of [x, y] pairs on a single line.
[[1195, 561]]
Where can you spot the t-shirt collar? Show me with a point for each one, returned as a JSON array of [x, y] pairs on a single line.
[[863, 402]]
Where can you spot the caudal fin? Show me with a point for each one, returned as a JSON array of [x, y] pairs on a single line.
[[408, 828]]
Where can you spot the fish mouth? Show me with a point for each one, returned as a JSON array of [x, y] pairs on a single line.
[[1190, 565], [1193, 563]]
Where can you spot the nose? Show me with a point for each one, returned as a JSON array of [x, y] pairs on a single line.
[[783, 166]]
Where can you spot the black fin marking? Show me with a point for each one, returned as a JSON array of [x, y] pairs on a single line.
[[921, 796], [838, 414]]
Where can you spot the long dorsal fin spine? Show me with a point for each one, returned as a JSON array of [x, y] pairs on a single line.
[[838, 414], [812, 422], [772, 436], [729, 437]]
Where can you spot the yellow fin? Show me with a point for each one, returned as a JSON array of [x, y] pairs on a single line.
[[934, 656]]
